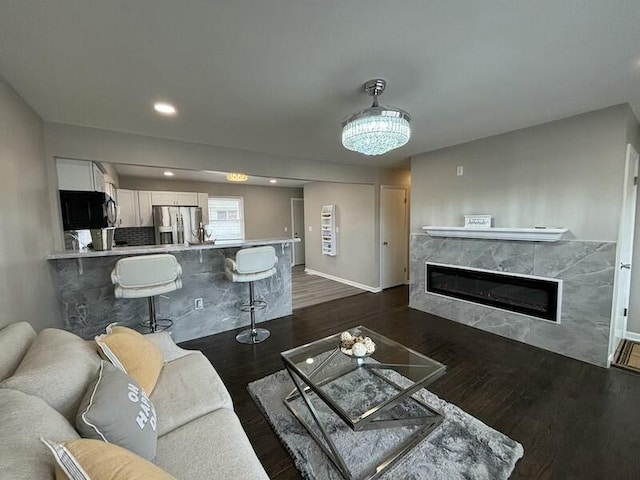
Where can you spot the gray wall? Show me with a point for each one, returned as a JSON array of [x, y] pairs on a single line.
[[358, 254], [565, 173], [267, 210], [26, 235]]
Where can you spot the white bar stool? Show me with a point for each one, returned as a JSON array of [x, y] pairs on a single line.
[[252, 264], [147, 276]]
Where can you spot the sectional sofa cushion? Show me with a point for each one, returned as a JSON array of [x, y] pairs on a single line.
[[224, 450], [132, 353], [15, 340], [58, 367], [190, 380], [23, 419], [116, 410], [88, 459]]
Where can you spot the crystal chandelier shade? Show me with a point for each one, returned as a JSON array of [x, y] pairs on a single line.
[[376, 130]]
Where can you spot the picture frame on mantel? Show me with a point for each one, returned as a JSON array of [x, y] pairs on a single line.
[[477, 221]]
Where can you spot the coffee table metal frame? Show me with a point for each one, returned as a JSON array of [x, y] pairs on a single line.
[[370, 419]]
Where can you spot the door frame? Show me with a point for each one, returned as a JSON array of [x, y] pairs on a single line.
[[618, 293], [293, 244], [381, 229]]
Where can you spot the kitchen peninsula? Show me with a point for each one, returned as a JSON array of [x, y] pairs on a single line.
[[86, 294]]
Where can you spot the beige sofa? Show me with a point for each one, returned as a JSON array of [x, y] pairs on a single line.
[[43, 378]]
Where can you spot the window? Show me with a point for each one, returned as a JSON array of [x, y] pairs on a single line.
[[226, 218]]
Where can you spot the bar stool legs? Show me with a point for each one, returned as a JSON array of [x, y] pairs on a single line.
[[253, 334], [156, 324]]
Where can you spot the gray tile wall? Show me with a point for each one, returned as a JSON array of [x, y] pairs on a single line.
[[85, 294], [135, 236], [586, 268]]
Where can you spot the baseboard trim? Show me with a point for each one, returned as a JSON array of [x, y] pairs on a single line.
[[351, 283], [634, 337]]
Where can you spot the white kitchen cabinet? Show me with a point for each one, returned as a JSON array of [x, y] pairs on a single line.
[[127, 201], [79, 175], [203, 203], [98, 178], [188, 199], [164, 198], [145, 207]]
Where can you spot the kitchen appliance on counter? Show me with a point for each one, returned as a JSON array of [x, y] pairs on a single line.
[[87, 210], [102, 238], [176, 225]]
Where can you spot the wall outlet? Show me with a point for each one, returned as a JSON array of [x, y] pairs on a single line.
[[286, 229], [310, 228], [460, 171], [337, 229], [199, 304]]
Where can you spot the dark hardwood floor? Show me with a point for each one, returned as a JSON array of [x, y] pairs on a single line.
[[573, 419]]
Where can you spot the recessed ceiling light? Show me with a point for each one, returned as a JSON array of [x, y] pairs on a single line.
[[273, 180], [168, 174], [237, 177], [164, 108]]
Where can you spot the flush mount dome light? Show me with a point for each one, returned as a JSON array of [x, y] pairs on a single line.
[[164, 108], [237, 177], [376, 130], [168, 174]]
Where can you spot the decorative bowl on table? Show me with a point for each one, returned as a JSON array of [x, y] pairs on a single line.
[[356, 346]]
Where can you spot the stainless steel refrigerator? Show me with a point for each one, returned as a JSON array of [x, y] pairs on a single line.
[[177, 225]]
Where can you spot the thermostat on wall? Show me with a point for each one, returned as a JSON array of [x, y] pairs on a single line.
[[477, 221]]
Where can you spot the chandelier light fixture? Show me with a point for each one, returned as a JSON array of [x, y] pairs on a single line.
[[376, 130], [237, 177]]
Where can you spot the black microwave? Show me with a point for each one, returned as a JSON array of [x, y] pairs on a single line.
[[87, 210]]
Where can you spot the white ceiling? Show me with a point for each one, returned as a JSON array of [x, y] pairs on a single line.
[[125, 170], [279, 76]]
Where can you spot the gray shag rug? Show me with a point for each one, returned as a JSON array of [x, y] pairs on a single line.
[[462, 447]]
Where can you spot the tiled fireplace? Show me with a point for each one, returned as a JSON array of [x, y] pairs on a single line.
[[582, 271]]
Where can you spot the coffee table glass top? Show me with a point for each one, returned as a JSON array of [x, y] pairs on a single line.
[[324, 368]]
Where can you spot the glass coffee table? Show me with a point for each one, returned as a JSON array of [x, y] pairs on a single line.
[[335, 392]]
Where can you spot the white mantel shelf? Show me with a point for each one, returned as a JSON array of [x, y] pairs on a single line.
[[524, 234]]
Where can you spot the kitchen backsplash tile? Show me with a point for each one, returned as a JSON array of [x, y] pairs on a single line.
[[135, 236]]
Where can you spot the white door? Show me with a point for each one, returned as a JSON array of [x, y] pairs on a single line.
[[393, 236], [297, 230], [622, 279]]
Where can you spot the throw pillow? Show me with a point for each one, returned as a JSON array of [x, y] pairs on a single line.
[[87, 459], [116, 410], [135, 355]]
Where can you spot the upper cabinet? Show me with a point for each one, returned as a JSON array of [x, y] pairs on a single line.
[[127, 208], [79, 175], [145, 209], [186, 199]]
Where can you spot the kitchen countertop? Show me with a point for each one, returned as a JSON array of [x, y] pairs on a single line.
[[147, 249]]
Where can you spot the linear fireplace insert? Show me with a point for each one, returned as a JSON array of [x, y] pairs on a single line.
[[529, 295]]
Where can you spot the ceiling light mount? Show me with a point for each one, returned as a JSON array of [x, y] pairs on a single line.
[[378, 129], [375, 88]]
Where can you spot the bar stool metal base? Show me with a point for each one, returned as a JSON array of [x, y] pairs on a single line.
[[253, 335], [250, 336], [156, 324]]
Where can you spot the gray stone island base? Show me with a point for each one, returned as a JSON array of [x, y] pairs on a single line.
[[88, 304]]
